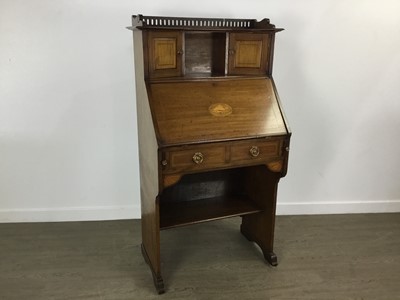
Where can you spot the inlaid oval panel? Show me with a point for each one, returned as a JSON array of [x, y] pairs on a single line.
[[220, 109]]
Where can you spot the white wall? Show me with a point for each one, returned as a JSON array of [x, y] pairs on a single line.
[[67, 107]]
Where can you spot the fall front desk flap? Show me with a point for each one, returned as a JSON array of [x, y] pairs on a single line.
[[215, 110]]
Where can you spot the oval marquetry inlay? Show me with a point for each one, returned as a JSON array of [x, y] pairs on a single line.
[[220, 109]]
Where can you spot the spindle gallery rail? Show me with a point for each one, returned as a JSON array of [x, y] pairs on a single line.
[[199, 23]]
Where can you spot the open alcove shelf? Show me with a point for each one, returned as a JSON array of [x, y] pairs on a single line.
[[203, 210], [206, 197]]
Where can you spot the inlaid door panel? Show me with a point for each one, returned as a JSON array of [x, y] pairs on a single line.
[[248, 53], [165, 54]]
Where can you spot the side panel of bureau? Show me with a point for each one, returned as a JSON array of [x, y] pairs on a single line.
[[149, 167]]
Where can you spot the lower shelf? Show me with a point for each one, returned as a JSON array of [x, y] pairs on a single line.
[[174, 214]]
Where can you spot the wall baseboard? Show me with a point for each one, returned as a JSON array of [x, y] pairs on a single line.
[[98, 213], [338, 207], [65, 214]]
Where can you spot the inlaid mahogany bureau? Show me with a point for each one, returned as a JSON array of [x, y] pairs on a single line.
[[213, 139]]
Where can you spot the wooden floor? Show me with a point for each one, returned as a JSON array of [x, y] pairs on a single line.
[[320, 257]]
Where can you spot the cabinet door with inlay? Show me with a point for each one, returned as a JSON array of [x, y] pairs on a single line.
[[248, 53], [165, 54]]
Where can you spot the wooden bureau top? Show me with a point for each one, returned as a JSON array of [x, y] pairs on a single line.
[[188, 112]]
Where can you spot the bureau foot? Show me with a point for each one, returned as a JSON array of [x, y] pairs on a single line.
[[271, 258], [157, 279], [159, 284]]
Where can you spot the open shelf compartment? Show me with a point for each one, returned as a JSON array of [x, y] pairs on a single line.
[[192, 212], [207, 196]]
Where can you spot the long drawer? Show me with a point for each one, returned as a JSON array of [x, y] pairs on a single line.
[[195, 158]]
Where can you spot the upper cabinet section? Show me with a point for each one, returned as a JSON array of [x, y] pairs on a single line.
[[199, 47]]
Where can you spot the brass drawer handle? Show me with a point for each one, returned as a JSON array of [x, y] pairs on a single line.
[[198, 158], [254, 151]]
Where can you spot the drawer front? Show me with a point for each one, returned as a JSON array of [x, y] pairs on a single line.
[[221, 155], [255, 151], [197, 158]]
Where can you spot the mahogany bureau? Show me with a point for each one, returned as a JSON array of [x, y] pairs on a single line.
[[213, 139]]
